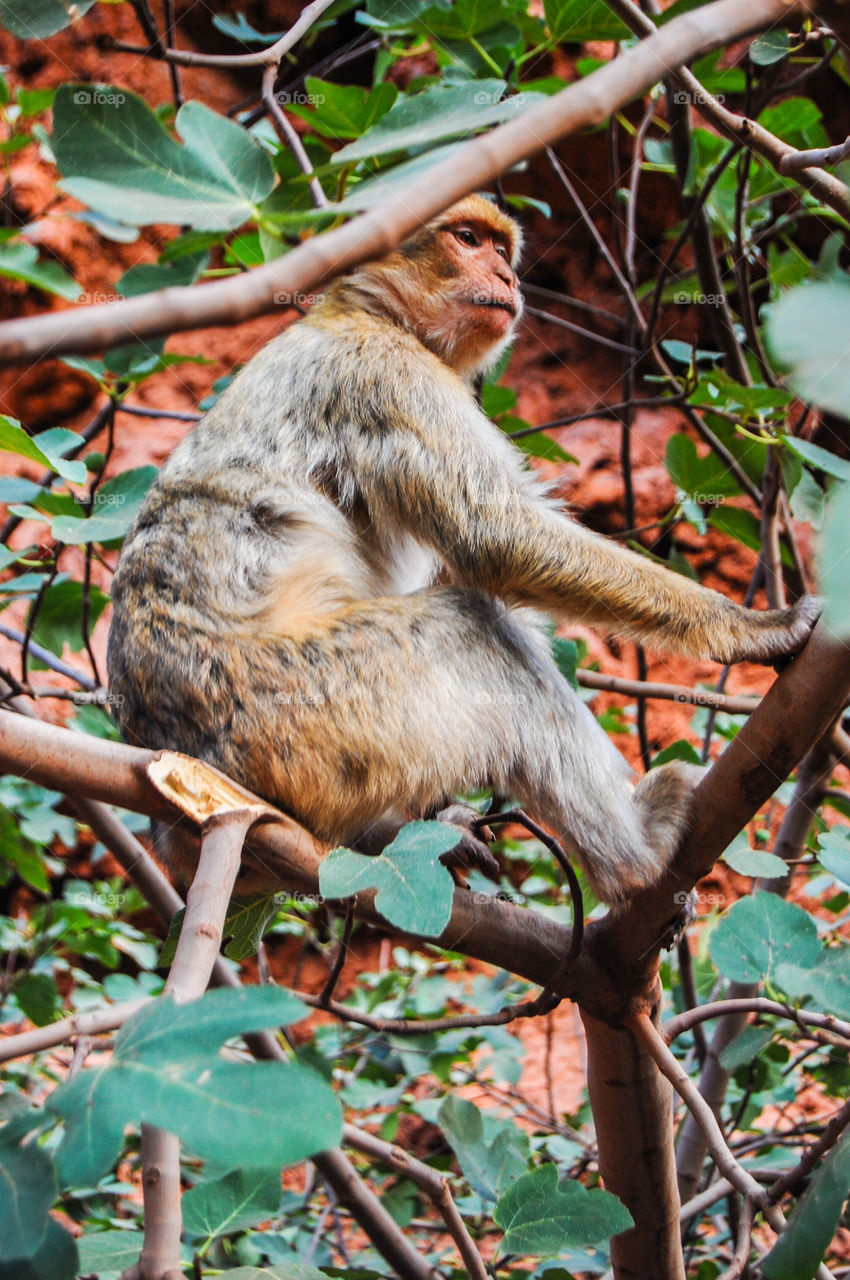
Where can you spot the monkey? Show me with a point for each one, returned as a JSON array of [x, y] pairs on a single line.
[[333, 589]]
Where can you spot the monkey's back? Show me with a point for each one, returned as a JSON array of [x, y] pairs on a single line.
[[251, 537]]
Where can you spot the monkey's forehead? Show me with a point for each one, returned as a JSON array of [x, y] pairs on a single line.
[[478, 208]]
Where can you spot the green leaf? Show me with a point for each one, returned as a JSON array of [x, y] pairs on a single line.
[[116, 504], [377, 190], [245, 923], [770, 47], [116, 156], [165, 1071], [238, 1200], [240, 29], [807, 500], [565, 653], [437, 113], [147, 276], [109, 1252], [746, 1047], [833, 562], [489, 1161], [540, 1217], [342, 111], [35, 19], [414, 888], [577, 21], [834, 853], [704, 478], [679, 750], [13, 439], [758, 933], [20, 261], [806, 335], [743, 526], [753, 862], [537, 444], [820, 459], [55, 1259], [38, 997], [16, 489], [827, 980], [799, 1251], [33, 101], [60, 616], [27, 1192], [294, 1271]]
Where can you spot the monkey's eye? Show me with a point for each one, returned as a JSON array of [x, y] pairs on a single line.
[[502, 251], [465, 235]]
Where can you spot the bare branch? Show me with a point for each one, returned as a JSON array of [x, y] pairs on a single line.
[[434, 1184], [290, 137], [93, 1022], [262, 58], [675, 1027]]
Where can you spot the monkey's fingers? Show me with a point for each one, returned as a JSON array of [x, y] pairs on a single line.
[[471, 849]]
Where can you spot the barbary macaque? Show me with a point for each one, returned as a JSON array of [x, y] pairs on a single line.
[[277, 608]]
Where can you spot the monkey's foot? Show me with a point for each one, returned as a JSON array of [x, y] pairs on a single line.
[[663, 801], [471, 849]]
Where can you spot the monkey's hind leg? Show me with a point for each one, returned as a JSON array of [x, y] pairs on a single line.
[[400, 702]]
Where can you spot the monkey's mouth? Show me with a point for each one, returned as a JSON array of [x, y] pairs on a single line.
[[496, 304]]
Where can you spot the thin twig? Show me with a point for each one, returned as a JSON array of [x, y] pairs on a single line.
[[432, 1182], [262, 58], [743, 1242], [290, 137]]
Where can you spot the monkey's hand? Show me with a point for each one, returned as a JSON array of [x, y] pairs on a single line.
[[776, 634], [471, 849]]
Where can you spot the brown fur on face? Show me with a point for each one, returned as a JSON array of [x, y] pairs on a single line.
[[453, 284]]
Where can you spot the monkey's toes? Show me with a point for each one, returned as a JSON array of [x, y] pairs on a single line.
[[471, 849]]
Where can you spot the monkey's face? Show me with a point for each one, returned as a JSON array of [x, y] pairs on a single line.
[[480, 298]]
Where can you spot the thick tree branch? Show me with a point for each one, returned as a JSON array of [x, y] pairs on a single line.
[[794, 714], [477, 163]]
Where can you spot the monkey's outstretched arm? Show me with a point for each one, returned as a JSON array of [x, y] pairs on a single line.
[[456, 483]]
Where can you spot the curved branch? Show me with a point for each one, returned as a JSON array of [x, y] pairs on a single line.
[[674, 1027], [260, 58]]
